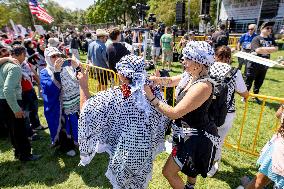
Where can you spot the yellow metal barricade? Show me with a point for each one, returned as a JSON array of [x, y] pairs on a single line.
[[255, 129], [233, 41], [101, 78], [200, 38], [251, 129]]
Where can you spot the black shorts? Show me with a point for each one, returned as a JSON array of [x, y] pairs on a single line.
[[195, 155]]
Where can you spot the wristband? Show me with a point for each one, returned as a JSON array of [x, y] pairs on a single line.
[[152, 99], [78, 69]]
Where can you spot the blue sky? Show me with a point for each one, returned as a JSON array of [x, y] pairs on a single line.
[[73, 4]]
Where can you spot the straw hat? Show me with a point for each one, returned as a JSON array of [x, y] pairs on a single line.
[[101, 32]]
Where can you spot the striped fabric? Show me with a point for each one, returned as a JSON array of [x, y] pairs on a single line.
[[265, 162], [40, 12]]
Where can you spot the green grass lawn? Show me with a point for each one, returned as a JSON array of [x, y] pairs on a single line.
[[59, 171]]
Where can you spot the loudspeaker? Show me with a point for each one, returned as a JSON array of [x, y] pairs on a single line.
[[180, 12], [205, 7]]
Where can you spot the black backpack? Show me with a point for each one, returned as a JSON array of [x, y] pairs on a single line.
[[218, 109]]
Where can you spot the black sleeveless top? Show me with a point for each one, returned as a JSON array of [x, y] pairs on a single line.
[[198, 118]]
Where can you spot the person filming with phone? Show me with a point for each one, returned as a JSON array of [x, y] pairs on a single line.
[[61, 97]]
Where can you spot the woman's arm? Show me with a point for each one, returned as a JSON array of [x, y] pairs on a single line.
[[166, 81], [84, 88], [8, 59], [194, 98]]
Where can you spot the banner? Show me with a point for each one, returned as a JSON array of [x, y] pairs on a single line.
[[16, 30], [40, 29], [257, 59], [23, 30]]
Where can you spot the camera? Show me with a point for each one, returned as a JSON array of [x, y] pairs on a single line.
[[141, 7], [174, 28], [152, 18]]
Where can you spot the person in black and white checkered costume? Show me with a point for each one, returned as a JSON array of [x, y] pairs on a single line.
[[220, 68], [122, 122]]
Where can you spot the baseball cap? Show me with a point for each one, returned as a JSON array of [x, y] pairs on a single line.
[[265, 24]]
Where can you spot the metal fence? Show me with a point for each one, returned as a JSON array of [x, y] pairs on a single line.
[[246, 135]]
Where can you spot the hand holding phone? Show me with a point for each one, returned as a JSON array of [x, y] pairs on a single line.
[[66, 63]]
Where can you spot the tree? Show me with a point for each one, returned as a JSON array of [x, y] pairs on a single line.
[[117, 11]]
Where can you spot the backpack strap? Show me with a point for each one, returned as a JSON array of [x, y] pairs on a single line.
[[228, 76]]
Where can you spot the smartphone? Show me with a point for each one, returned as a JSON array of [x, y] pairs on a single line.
[[66, 63]]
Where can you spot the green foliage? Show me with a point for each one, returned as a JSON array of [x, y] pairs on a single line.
[[164, 10], [117, 11], [17, 10]]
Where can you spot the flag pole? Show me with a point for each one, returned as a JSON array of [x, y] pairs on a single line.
[[32, 16]]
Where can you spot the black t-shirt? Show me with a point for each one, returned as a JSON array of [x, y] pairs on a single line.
[[75, 43], [115, 52], [157, 38], [259, 41]]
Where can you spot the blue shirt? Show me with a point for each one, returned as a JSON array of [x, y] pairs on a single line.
[[97, 54], [246, 39]]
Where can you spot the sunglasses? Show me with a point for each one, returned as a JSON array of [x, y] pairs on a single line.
[[55, 56], [250, 29], [268, 28]]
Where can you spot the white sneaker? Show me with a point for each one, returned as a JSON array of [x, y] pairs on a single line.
[[213, 170], [71, 153]]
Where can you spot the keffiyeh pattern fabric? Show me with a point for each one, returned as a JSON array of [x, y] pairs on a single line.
[[110, 123], [200, 52], [133, 68]]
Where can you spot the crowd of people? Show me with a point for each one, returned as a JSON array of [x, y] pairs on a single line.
[[129, 121]]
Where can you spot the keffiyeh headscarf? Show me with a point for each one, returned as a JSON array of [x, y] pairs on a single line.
[[48, 52], [200, 52], [133, 68]]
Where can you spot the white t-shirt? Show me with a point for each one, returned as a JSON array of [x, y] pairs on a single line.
[[237, 83]]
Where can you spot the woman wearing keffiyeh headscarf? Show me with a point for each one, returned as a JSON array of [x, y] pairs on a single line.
[[196, 135], [122, 122], [61, 97]]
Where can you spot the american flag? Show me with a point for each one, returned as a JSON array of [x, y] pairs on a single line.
[[40, 12]]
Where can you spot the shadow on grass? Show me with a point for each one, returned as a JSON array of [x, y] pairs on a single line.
[[273, 80], [232, 178], [277, 68], [52, 169], [273, 105]]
